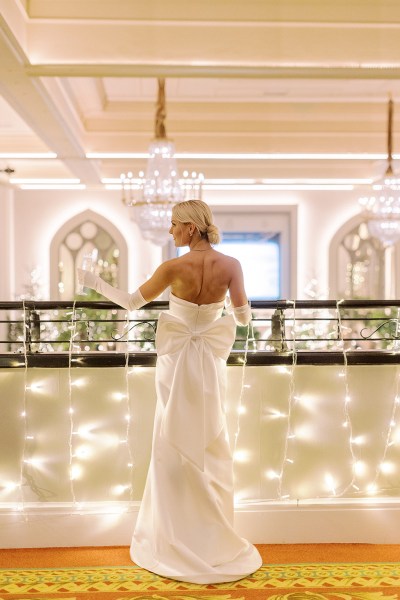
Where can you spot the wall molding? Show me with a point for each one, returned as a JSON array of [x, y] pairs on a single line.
[[111, 524]]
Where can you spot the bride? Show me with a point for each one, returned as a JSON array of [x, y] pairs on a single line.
[[185, 526]]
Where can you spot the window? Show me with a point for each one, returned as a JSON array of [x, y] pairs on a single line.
[[265, 244], [360, 266], [79, 236], [260, 257]]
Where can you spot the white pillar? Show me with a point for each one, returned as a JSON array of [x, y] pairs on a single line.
[[7, 271]]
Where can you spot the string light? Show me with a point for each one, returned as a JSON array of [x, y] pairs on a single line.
[[273, 474], [240, 456], [391, 435], [74, 470], [89, 438], [347, 399], [330, 483], [24, 410], [360, 468], [128, 416], [291, 401]]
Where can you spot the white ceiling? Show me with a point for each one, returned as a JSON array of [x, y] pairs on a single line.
[[242, 77]]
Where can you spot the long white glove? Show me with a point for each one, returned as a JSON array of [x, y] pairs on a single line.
[[129, 301], [241, 314]]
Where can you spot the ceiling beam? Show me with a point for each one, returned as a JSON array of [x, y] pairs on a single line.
[[244, 72], [45, 117]]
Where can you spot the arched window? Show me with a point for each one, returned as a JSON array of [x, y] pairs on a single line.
[[359, 265], [79, 236]]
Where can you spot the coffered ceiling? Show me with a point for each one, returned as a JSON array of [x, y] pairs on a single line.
[[263, 90]]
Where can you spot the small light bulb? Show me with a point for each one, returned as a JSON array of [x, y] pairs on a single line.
[[360, 467], [358, 440], [330, 482], [120, 489], [75, 472], [387, 467], [272, 474], [83, 452], [10, 486], [241, 456]]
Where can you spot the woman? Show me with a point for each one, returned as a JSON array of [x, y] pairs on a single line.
[[184, 528]]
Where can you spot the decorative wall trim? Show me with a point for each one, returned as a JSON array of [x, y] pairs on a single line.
[[61, 525]]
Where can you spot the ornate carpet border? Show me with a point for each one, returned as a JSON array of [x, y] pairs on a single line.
[[134, 579]]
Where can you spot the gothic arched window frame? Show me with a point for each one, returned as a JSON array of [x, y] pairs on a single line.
[[87, 216]]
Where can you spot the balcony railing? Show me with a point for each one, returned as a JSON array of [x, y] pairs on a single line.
[[47, 333]]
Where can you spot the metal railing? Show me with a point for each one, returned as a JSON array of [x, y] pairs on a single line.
[[47, 333]]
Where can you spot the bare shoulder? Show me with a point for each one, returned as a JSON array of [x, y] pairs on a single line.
[[230, 261], [170, 264], [173, 267]]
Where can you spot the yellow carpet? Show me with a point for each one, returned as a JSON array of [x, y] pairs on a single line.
[[370, 572], [271, 554]]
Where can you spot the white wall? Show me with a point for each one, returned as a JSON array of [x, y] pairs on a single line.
[[303, 507], [39, 214], [7, 269], [320, 214]]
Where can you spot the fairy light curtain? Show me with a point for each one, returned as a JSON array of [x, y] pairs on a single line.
[[82, 435]]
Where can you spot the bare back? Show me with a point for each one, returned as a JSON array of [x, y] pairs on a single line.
[[198, 277], [205, 277]]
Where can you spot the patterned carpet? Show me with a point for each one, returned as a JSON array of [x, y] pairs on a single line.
[[308, 581]]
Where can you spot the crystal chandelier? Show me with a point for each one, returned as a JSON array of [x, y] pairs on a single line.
[[153, 194], [8, 171], [382, 208]]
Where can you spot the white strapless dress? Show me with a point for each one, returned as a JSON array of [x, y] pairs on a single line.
[[185, 528]]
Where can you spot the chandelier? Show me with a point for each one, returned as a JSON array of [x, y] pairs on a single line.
[[152, 195], [8, 171], [382, 208]]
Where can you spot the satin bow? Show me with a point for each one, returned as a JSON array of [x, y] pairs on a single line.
[[191, 382]]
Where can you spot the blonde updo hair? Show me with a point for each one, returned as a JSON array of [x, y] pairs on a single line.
[[199, 213]]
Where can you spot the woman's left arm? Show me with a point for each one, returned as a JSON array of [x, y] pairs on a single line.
[[151, 289]]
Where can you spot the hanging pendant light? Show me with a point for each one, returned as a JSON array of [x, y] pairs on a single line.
[[153, 195], [382, 208]]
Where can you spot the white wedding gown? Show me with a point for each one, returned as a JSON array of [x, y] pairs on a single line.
[[185, 528]]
